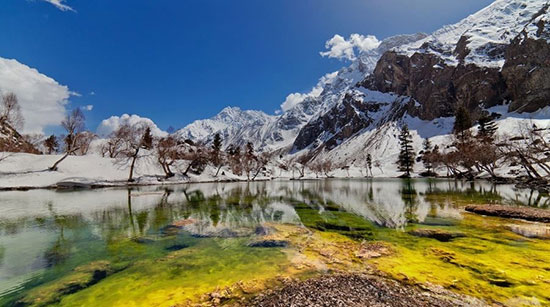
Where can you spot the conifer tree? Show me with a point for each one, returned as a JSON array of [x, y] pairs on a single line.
[[463, 122], [369, 165], [216, 156], [217, 143], [147, 140], [427, 150], [406, 154], [51, 144], [487, 129]]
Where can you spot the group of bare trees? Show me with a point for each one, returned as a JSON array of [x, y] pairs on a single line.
[[246, 161], [77, 139], [176, 156], [470, 154], [530, 150]]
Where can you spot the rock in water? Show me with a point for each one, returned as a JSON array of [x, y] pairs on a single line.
[[268, 243], [535, 231], [438, 234], [524, 213]]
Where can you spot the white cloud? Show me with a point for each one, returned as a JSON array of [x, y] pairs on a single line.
[[42, 99], [292, 100], [295, 98], [92, 93], [107, 126], [89, 107], [340, 48], [60, 5]]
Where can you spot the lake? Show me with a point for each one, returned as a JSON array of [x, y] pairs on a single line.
[[163, 246]]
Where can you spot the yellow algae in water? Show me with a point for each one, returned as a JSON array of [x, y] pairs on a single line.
[[491, 262], [215, 266], [181, 276]]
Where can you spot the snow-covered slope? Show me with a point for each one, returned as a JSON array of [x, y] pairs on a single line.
[[486, 32], [406, 78], [235, 126], [268, 132]]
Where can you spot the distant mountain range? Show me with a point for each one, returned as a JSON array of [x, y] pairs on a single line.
[[498, 57]]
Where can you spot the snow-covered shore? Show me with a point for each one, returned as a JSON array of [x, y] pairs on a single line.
[[30, 171]]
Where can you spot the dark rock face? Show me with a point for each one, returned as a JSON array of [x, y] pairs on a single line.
[[437, 87], [12, 141], [338, 124], [527, 74], [440, 89]]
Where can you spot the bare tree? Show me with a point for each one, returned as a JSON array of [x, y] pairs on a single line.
[[114, 145], [135, 138], [327, 167], [317, 167], [234, 158], [168, 152], [284, 165], [301, 163], [378, 165], [74, 123], [10, 111], [83, 141], [531, 150], [260, 163], [197, 159]]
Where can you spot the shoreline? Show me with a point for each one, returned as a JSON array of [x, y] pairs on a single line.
[[541, 186], [358, 289]]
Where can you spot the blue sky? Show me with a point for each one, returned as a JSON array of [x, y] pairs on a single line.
[[181, 60]]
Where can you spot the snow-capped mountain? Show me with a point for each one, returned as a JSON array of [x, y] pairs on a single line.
[[486, 33], [497, 56], [268, 132], [232, 123]]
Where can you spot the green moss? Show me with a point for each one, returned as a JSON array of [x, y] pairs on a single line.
[[341, 222], [183, 275], [490, 262], [81, 278]]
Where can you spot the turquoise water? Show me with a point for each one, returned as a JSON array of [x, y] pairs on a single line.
[[68, 248]]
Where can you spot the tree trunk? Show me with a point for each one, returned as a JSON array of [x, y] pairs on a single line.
[[54, 166], [134, 158], [168, 171]]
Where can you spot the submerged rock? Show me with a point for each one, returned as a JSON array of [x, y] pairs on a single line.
[[524, 213], [222, 233], [438, 234], [268, 243], [81, 278], [534, 231], [144, 240], [176, 247], [170, 230]]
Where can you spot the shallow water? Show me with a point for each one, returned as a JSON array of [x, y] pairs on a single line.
[[172, 245]]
